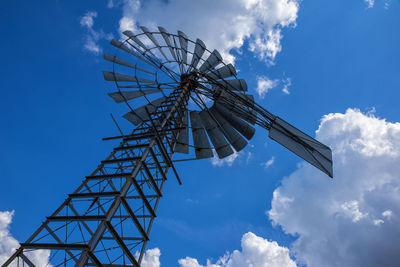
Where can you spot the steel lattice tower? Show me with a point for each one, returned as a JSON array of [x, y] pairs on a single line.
[[107, 220]]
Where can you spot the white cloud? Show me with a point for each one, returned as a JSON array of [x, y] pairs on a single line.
[[351, 208], [127, 23], [264, 85], [88, 19], [286, 84], [244, 156], [228, 161], [8, 244], [370, 3], [92, 46], [268, 163], [223, 25], [92, 37], [256, 251], [387, 213], [151, 258], [352, 219]]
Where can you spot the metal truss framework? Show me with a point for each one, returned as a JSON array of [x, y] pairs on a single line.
[[107, 220]]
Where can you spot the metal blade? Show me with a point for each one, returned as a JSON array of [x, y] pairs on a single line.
[[154, 40], [236, 140], [222, 73], [221, 146], [123, 47], [128, 95], [202, 146], [166, 35], [199, 49], [213, 60], [233, 85], [183, 41], [143, 86], [248, 115], [120, 61], [239, 104], [237, 98], [112, 76], [241, 126], [140, 114], [306, 147], [182, 140], [133, 37]]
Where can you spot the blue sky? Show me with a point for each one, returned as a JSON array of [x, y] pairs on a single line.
[[334, 55]]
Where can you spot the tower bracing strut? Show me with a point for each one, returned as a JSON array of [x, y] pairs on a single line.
[[107, 220]]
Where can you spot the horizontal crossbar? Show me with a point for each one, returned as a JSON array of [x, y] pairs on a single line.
[[110, 161], [100, 194], [76, 218]]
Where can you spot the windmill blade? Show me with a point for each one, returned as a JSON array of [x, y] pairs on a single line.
[[199, 49], [123, 47], [242, 127], [202, 146], [182, 140], [233, 85], [245, 113], [236, 140], [223, 72], [217, 138], [112, 76], [128, 95], [133, 37], [140, 114], [154, 40], [239, 104], [237, 98], [306, 147], [213, 60], [139, 86], [120, 61], [183, 41], [165, 36], [248, 115]]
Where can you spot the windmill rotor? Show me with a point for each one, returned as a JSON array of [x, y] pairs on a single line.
[[164, 61]]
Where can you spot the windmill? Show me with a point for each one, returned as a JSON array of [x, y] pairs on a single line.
[[182, 98]]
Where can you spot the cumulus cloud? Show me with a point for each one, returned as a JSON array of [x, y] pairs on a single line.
[[265, 84], [8, 244], [256, 251], [151, 258], [92, 36], [351, 220], [224, 25]]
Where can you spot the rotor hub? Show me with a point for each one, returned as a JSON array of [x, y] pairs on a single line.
[[191, 79]]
